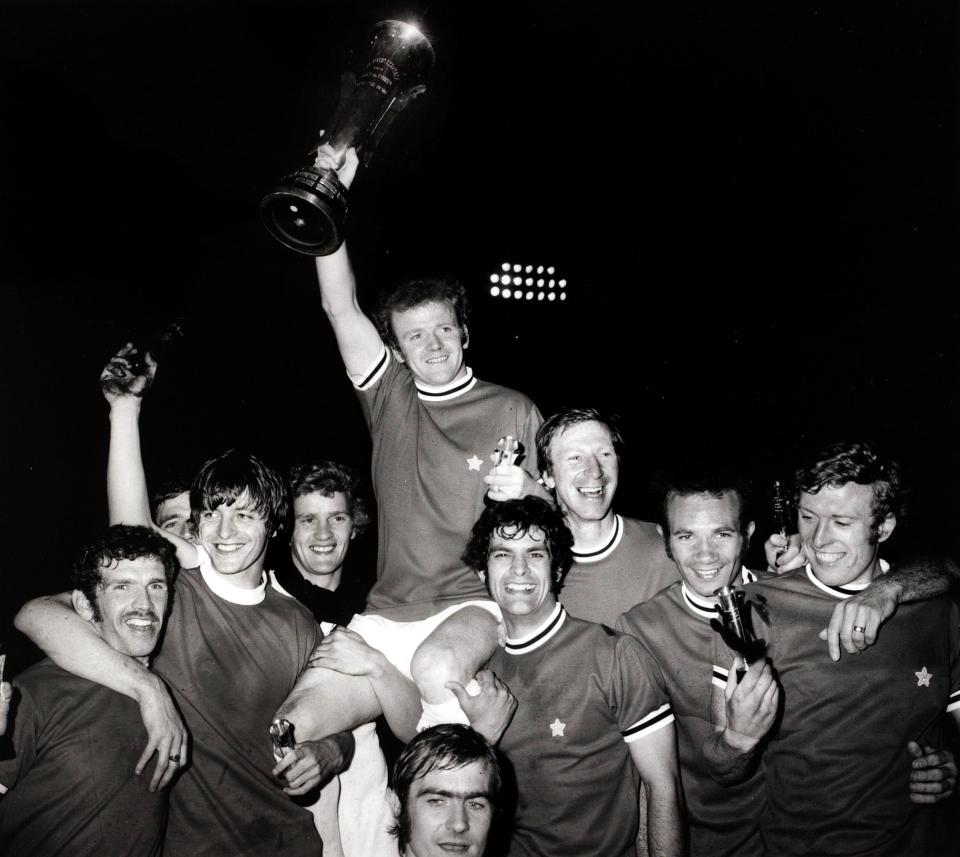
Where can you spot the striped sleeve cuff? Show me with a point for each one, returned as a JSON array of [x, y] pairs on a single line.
[[953, 702], [719, 677], [655, 720], [376, 370]]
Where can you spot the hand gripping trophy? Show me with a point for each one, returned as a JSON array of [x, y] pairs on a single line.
[[308, 210]]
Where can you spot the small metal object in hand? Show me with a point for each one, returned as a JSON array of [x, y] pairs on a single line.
[[281, 733], [175, 758], [860, 628]]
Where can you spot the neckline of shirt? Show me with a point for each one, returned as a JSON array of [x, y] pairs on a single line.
[[539, 637], [843, 591], [702, 607], [607, 549], [219, 585], [444, 392]]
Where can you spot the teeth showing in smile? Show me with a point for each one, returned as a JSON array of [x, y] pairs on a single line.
[[591, 492], [140, 624], [706, 572], [437, 359], [228, 548], [827, 558], [520, 587], [322, 549]]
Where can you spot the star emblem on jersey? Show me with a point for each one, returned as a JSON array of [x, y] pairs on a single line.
[[556, 728], [923, 677], [473, 463]]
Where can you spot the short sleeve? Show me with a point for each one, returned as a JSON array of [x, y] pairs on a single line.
[[375, 388], [641, 703]]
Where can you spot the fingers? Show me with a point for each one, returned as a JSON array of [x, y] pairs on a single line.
[[459, 691], [731, 686], [832, 631], [288, 761]]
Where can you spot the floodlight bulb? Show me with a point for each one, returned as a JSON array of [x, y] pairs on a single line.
[[563, 284], [516, 269], [528, 281], [506, 293], [541, 296], [518, 294], [529, 296], [505, 266], [550, 270], [528, 269], [494, 290], [539, 269], [563, 296], [540, 283], [494, 278], [505, 279], [551, 296]]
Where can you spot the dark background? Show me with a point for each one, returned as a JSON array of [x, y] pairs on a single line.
[[755, 206]]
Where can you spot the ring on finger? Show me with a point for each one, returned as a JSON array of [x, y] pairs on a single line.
[[860, 628]]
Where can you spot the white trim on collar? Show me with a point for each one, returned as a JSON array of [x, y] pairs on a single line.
[[540, 637], [597, 555], [705, 608], [843, 592], [445, 392], [220, 585]]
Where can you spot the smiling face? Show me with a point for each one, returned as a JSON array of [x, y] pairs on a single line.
[[235, 536], [705, 539], [520, 578], [322, 531], [431, 342], [450, 812], [837, 533], [585, 471], [131, 601]]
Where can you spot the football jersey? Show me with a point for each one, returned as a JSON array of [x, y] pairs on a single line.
[[630, 569], [432, 446]]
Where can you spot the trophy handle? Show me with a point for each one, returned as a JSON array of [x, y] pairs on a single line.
[[398, 104]]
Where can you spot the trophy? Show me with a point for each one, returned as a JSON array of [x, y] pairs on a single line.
[[308, 210]]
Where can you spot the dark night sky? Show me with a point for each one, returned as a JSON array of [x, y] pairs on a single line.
[[755, 205]]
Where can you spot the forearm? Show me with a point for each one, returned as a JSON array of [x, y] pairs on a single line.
[[726, 761], [921, 578], [399, 699], [127, 497], [338, 285], [73, 645], [666, 818]]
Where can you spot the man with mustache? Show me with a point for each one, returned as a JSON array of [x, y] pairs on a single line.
[[68, 784]]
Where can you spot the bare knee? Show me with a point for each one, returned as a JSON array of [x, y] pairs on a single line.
[[455, 651]]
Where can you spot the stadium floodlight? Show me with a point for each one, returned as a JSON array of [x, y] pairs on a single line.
[[494, 290], [505, 266], [505, 293]]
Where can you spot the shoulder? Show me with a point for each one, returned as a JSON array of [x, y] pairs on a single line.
[[635, 529], [652, 611], [506, 395]]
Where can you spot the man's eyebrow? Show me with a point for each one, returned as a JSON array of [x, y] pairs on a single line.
[[448, 793]]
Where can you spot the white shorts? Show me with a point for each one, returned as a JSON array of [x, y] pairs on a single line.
[[399, 641]]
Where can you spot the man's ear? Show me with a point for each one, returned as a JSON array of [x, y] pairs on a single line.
[[886, 528], [464, 337], [751, 528], [82, 605], [483, 576], [398, 356], [548, 480], [660, 530]]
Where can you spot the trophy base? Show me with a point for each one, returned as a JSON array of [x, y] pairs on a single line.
[[307, 211]]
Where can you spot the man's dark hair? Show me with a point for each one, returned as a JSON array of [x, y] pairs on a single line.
[[222, 480], [329, 477], [121, 542], [703, 477], [513, 519], [566, 418], [166, 491], [413, 293], [862, 463], [446, 747]]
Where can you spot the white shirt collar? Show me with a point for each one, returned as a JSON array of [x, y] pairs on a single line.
[[220, 584]]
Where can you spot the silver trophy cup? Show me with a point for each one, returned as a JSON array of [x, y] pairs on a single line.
[[307, 212]]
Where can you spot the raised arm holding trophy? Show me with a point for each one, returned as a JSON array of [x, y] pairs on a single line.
[[307, 212]]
